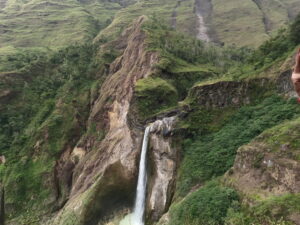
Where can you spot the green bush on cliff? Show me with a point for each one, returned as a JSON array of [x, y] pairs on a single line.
[[206, 206], [206, 156], [154, 94], [272, 211], [277, 47]]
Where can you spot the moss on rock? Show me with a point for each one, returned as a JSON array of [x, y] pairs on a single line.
[[154, 94]]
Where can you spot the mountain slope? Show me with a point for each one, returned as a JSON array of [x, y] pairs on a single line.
[[54, 24], [72, 122]]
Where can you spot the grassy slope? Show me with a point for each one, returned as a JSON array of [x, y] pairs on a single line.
[[52, 23], [162, 9], [212, 137], [40, 122], [232, 22], [241, 21]]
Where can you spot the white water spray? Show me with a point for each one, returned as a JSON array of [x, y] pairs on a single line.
[[159, 127], [139, 207]]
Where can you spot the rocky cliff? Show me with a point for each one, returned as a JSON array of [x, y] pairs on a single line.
[[111, 161]]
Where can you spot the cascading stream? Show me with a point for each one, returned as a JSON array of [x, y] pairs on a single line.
[[139, 207]]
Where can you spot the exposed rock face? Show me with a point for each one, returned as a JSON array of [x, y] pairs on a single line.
[[106, 171], [230, 93], [256, 168], [237, 93], [269, 165], [285, 85], [164, 162]]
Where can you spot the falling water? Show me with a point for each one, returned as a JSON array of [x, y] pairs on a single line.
[[161, 127], [139, 207]]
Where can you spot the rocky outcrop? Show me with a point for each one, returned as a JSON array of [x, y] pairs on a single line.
[[106, 170], [163, 158], [285, 85], [268, 166], [236, 93], [230, 93], [257, 168]]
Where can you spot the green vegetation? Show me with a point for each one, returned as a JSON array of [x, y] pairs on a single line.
[[162, 9], [206, 206], [181, 52], [54, 24], [45, 117], [211, 154], [232, 26], [16, 58], [153, 95], [285, 134], [272, 211], [271, 52], [50, 94], [232, 23]]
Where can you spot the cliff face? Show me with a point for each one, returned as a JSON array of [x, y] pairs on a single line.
[[164, 157], [111, 161], [269, 167]]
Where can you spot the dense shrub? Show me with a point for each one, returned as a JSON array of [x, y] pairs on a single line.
[[206, 206], [272, 211], [42, 119], [213, 154], [153, 95], [278, 46]]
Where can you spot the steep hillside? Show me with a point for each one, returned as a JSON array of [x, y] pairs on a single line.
[[222, 121], [231, 19], [54, 24]]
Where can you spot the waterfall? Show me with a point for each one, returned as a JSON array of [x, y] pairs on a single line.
[[161, 127], [139, 206]]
